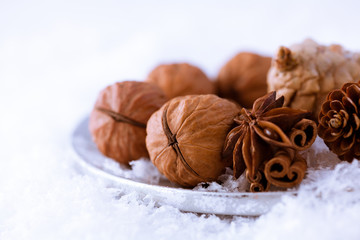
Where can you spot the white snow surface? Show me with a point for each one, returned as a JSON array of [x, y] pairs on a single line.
[[55, 56]]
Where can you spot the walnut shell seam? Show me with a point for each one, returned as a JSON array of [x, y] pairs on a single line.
[[172, 141], [121, 118]]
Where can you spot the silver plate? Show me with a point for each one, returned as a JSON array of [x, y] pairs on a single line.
[[92, 162]]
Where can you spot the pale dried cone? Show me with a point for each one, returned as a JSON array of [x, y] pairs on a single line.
[[124, 141], [243, 78], [305, 73], [200, 124], [181, 79]]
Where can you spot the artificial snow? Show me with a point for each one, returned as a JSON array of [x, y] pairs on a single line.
[[56, 56], [318, 157]]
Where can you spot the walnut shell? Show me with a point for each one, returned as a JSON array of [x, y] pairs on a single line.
[[305, 73], [243, 78], [190, 151], [181, 79], [118, 120]]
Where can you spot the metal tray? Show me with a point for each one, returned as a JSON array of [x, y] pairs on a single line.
[[92, 162]]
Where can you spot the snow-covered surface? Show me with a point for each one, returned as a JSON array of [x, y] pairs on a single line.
[[142, 177], [56, 56]]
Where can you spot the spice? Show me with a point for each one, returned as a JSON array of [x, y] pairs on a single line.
[[339, 121], [305, 73], [118, 120], [185, 138], [262, 135], [243, 78], [286, 169]]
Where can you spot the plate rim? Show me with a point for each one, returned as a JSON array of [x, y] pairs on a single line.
[[153, 188]]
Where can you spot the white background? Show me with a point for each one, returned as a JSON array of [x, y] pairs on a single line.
[[55, 56]]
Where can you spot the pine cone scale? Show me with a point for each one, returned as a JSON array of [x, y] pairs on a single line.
[[323, 121], [353, 93], [349, 132], [347, 143], [356, 121], [326, 133], [325, 107], [336, 105], [336, 95]]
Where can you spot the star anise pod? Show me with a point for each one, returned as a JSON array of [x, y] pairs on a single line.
[[339, 121], [264, 131]]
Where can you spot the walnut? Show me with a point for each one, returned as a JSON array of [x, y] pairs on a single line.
[[305, 73], [118, 120], [185, 138], [181, 79], [243, 78]]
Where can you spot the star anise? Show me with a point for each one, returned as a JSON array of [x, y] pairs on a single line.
[[264, 131]]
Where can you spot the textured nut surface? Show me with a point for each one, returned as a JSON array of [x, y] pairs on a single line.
[[181, 79], [317, 70], [201, 123], [124, 141], [243, 78]]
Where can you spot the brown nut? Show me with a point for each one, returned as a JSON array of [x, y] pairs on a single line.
[[118, 120], [181, 79], [185, 138], [243, 78]]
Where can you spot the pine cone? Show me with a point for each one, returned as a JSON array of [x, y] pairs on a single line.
[[339, 121], [305, 73]]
